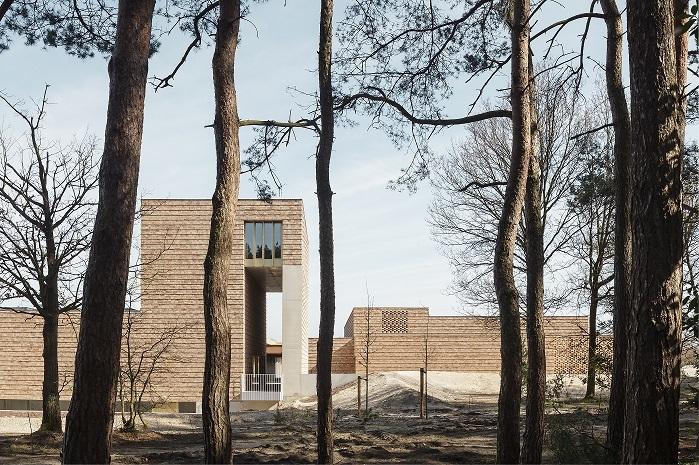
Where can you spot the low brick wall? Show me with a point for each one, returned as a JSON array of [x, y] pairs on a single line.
[[343, 355]]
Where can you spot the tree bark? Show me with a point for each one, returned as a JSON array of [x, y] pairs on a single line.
[[505, 286], [622, 223], [50, 399], [215, 395], [536, 345], [592, 342], [655, 321], [89, 421], [326, 244]]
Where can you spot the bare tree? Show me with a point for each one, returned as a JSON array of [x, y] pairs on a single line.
[[657, 75], [366, 340], [46, 214], [147, 350], [427, 354], [592, 203], [145, 355], [469, 190], [690, 185], [90, 417]]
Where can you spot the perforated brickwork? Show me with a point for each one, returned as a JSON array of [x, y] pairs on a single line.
[[394, 321]]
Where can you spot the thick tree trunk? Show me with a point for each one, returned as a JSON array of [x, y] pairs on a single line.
[[592, 342], [505, 286], [217, 365], [532, 442], [89, 421], [655, 326], [326, 245], [622, 223], [50, 399]]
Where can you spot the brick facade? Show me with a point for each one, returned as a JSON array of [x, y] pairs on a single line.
[[174, 239], [400, 337], [21, 364], [343, 355]]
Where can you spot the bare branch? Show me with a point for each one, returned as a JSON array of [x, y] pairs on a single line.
[[349, 101]]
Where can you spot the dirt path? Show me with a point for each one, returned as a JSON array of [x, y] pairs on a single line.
[[461, 428]]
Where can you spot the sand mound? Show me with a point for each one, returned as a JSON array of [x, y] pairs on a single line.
[[398, 391]]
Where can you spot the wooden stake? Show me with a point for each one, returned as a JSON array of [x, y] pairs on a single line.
[[422, 393], [359, 396]]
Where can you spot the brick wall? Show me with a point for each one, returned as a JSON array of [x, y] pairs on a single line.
[[401, 338], [21, 364], [174, 240], [343, 355]]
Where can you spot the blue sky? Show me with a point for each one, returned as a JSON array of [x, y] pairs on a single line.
[[382, 240]]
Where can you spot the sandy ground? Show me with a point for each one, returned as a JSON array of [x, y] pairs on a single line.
[[461, 428]]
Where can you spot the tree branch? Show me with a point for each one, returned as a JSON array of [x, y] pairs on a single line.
[[481, 185], [195, 43], [599, 128], [4, 7], [349, 102]]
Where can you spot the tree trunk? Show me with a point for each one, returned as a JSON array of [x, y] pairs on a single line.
[[424, 404], [592, 342], [622, 223], [217, 366], [326, 245], [655, 322], [505, 286], [50, 399], [681, 62], [89, 421], [366, 391], [536, 345], [422, 393]]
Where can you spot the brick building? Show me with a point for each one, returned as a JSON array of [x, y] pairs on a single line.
[[406, 339], [270, 255]]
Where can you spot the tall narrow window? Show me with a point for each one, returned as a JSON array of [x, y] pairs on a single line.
[[277, 240], [268, 241], [258, 240], [249, 240]]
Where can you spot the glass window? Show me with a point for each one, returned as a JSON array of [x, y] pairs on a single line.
[[277, 240], [263, 241], [258, 240], [268, 241], [249, 239]]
